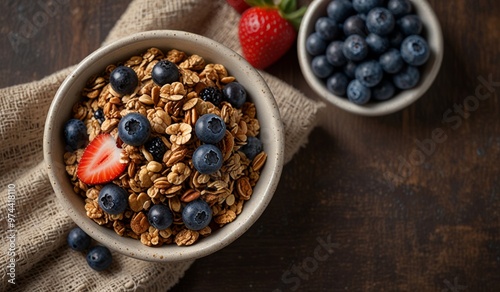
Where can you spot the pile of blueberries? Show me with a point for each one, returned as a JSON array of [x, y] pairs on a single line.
[[99, 257], [368, 50]]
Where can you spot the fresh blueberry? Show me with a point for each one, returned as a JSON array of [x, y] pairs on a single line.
[[160, 217], [399, 8], [78, 240], [197, 214], [363, 6], [410, 24], [326, 28], [407, 78], [415, 50], [211, 94], [134, 129], [339, 10], [355, 48], [321, 67], [383, 91], [350, 69], [337, 84], [334, 54], [396, 38], [123, 80], [253, 147], [165, 72], [391, 61], [99, 115], [380, 21], [99, 258], [207, 159], [315, 44], [354, 25], [369, 73], [113, 199], [235, 94], [377, 44], [357, 93], [210, 128], [156, 147], [75, 134]]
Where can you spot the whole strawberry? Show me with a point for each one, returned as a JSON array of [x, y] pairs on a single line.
[[267, 31]]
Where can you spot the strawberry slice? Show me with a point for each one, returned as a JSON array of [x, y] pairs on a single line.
[[100, 161]]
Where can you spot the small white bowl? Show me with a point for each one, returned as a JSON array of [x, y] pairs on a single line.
[[403, 99], [272, 136]]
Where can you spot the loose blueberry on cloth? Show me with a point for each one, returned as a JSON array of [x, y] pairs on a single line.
[[44, 260]]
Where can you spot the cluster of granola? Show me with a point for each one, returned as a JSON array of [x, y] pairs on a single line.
[[172, 111]]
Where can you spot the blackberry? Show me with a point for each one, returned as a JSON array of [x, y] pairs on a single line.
[[99, 115], [157, 148], [211, 94]]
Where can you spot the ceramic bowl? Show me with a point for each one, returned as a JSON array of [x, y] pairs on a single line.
[[272, 136], [432, 33]]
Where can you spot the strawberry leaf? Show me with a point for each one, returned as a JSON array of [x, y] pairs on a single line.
[[260, 3], [287, 6], [295, 17]]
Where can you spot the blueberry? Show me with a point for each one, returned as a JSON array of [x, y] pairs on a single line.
[[160, 217], [377, 44], [363, 6], [337, 83], [407, 78], [321, 67], [211, 94], [78, 240], [99, 258], [415, 50], [354, 25], [134, 129], [357, 93], [207, 159], [99, 115], [334, 54], [369, 73], [75, 134], [350, 69], [339, 10], [253, 147], [326, 28], [396, 38], [210, 128], [197, 214], [399, 7], [156, 147], [165, 72], [235, 94], [383, 91], [113, 199], [380, 21], [410, 24], [391, 61], [355, 48], [123, 80], [315, 44]]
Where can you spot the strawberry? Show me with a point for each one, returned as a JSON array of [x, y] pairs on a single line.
[[100, 161], [238, 5], [267, 31]]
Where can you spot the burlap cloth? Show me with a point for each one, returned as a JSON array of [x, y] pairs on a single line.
[[43, 260]]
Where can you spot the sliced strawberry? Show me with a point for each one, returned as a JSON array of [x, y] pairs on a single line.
[[100, 161]]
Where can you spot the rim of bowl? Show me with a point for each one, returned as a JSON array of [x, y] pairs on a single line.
[[272, 132], [430, 70]]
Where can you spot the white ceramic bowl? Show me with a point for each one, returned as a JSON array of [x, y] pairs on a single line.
[[272, 135], [433, 35]]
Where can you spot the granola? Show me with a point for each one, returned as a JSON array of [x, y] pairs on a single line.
[[172, 110]]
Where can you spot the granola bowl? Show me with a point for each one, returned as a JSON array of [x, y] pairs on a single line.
[[149, 243]]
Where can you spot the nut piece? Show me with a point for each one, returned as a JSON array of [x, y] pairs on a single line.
[[139, 223], [180, 133], [186, 237]]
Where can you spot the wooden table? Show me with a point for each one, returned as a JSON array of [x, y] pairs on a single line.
[[370, 204]]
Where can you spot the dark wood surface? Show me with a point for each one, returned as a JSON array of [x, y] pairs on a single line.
[[370, 204]]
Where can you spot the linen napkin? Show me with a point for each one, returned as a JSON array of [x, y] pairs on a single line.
[[37, 235]]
